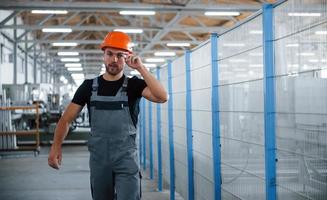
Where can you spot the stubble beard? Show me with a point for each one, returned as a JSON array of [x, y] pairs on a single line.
[[113, 69]]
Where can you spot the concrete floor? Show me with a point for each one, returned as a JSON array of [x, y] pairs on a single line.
[[23, 176]]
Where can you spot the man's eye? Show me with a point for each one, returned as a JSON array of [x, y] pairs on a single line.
[[120, 55]]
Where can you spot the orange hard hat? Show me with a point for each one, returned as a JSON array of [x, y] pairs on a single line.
[[116, 39]]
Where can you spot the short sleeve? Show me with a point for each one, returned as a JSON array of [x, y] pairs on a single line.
[[136, 87], [83, 93]]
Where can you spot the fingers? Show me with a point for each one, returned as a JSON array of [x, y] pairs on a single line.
[[132, 59], [54, 159], [53, 163]]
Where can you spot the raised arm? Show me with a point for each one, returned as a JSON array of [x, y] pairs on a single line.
[[154, 91], [55, 155]]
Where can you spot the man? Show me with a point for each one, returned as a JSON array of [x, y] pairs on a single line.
[[113, 103]]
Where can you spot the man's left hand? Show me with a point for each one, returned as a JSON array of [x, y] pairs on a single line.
[[134, 62]]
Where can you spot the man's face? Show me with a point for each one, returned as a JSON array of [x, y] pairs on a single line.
[[114, 60]]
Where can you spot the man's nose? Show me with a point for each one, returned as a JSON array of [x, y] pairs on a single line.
[[115, 57]]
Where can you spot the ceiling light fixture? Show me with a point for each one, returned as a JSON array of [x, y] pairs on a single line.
[[67, 53], [164, 53], [136, 12], [150, 65], [49, 11], [69, 59], [304, 14], [256, 32], [64, 44], [57, 30], [321, 32], [151, 60], [212, 13], [293, 45], [130, 30], [73, 65], [75, 69]]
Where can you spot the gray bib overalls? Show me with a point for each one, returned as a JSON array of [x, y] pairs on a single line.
[[113, 151]]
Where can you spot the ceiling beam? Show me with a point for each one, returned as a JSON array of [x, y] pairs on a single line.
[[107, 6]]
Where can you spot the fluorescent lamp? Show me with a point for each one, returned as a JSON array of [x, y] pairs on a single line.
[[293, 45], [304, 14], [155, 60], [132, 44], [305, 54], [49, 11], [57, 30], [176, 44], [62, 78], [211, 13], [149, 65], [137, 12], [134, 72], [73, 65], [67, 53], [313, 60], [321, 32], [233, 44], [256, 32], [75, 69], [164, 53], [130, 30], [64, 44], [69, 59]]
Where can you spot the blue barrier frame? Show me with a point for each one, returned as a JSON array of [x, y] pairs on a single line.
[[215, 117], [144, 135], [171, 133], [150, 140], [159, 139], [189, 133], [269, 102], [140, 128]]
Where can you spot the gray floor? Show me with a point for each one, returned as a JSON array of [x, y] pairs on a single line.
[[23, 176]]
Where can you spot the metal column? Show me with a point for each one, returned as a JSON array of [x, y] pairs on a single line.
[[159, 140], [171, 134], [215, 117], [269, 102], [189, 133]]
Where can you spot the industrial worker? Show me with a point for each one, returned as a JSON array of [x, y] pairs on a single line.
[[113, 103]]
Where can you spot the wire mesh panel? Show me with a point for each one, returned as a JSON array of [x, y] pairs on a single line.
[[164, 131], [240, 56], [179, 115], [301, 99], [155, 138], [201, 122]]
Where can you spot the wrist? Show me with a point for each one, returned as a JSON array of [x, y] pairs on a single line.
[[141, 69]]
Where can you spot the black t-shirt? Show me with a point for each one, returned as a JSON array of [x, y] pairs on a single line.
[[135, 87]]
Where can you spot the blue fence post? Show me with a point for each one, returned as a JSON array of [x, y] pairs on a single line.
[[150, 140], [140, 135], [269, 102], [215, 117], [159, 139], [189, 133], [171, 134], [144, 135]]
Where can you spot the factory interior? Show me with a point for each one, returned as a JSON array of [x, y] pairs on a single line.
[[246, 116]]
